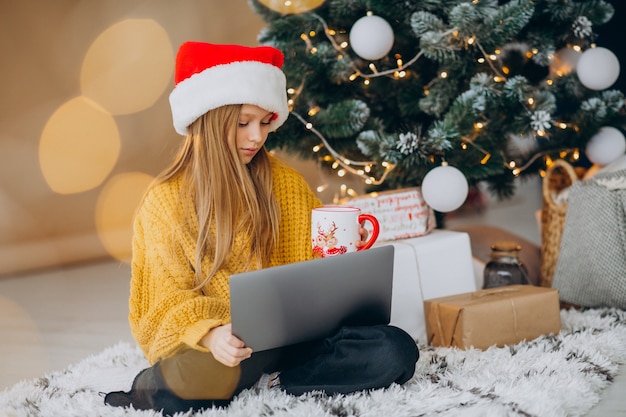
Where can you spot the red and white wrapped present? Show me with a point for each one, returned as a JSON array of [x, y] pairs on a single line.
[[401, 213]]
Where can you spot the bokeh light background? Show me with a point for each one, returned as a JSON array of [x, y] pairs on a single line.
[[85, 121]]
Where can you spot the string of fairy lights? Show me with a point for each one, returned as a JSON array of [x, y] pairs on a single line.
[[365, 169]]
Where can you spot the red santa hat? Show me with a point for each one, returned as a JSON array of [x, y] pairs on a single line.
[[210, 76]]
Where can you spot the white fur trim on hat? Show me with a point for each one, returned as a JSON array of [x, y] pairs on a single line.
[[242, 82]]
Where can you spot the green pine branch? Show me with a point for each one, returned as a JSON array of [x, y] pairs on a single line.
[[476, 86]]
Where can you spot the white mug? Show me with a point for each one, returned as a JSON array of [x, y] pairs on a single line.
[[335, 230]]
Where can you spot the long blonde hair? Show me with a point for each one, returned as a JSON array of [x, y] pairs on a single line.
[[230, 198]]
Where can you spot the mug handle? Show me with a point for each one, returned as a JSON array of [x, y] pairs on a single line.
[[375, 229]]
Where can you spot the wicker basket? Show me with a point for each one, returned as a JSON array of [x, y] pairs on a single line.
[[559, 176]]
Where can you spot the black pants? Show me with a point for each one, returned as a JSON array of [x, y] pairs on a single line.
[[354, 359]]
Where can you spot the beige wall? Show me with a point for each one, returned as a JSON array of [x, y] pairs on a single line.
[[84, 119]]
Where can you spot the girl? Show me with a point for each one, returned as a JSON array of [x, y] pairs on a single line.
[[225, 205]]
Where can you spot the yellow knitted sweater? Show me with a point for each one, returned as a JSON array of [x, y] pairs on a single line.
[[166, 315]]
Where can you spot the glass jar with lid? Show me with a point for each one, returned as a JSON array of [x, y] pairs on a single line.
[[505, 266]]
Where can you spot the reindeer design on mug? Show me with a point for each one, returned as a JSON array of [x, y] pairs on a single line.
[[326, 243]]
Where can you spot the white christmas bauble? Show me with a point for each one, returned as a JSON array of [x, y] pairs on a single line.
[[444, 188], [606, 146], [597, 68], [371, 37]]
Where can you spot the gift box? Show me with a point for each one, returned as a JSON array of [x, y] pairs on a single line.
[[434, 265], [401, 213], [497, 316]]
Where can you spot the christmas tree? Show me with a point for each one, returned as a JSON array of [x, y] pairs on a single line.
[[391, 89]]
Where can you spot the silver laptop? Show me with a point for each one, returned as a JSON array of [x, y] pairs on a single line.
[[310, 300]]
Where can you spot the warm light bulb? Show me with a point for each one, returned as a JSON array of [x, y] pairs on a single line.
[[314, 111]]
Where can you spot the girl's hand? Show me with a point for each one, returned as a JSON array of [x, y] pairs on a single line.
[[363, 232], [225, 347]]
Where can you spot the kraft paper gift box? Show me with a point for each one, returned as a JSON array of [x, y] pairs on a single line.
[[401, 213], [497, 316], [434, 265]]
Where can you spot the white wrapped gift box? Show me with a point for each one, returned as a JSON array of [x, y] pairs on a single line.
[[434, 265]]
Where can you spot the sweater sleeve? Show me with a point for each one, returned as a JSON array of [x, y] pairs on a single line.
[[296, 200], [166, 314]]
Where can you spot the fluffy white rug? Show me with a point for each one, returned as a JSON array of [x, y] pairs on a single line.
[[551, 376]]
